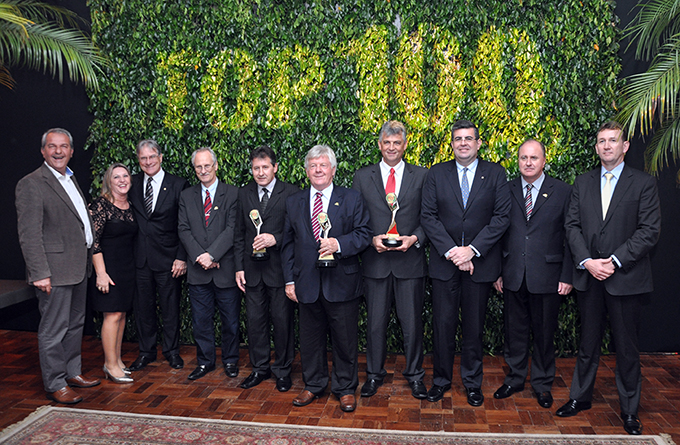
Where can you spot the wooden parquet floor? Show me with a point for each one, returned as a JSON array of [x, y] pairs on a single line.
[[159, 389]]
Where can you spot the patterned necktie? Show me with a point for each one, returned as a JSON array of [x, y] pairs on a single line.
[[465, 187], [318, 207], [606, 194], [148, 196], [265, 199], [207, 207], [391, 183], [528, 205]]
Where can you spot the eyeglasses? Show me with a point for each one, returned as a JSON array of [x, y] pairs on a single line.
[[466, 139], [207, 167], [148, 158]]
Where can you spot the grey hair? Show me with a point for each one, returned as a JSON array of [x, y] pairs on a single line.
[[321, 150], [390, 128], [56, 130], [149, 143], [202, 149]]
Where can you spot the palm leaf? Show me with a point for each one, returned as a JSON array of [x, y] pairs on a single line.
[[655, 23], [664, 145]]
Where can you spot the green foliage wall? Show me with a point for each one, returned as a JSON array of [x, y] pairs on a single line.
[[232, 75]]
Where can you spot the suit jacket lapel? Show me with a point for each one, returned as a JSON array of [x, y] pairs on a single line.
[[543, 194], [517, 191], [406, 182], [334, 204], [54, 183], [622, 185], [273, 198], [596, 196], [454, 183], [162, 193], [477, 183], [376, 176], [217, 201]]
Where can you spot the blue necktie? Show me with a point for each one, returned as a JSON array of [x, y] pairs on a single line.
[[465, 187]]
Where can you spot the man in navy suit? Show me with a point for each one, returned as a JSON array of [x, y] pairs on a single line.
[[262, 281], [537, 272], [207, 219], [465, 211], [613, 222], [159, 256], [394, 273], [328, 297]]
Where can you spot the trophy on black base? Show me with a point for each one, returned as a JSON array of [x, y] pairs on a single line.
[[258, 254], [392, 234], [325, 261]]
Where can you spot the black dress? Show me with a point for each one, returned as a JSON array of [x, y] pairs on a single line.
[[114, 234]]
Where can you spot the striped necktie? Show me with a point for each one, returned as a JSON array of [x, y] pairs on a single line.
[[318, 207], [528, 204], [148, 196], [207, 207]]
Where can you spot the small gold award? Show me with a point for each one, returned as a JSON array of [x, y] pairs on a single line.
[[258, 254], [392, 234], [325, 260]]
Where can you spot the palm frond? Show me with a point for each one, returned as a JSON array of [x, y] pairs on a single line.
[[655, 23], [6, 78], [652, 96], [40, 12], [664, 145]]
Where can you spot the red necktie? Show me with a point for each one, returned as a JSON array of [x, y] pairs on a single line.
[[391, 183], [318, 207], [207, 207]]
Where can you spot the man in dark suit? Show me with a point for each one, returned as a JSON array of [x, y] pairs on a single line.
[[328, 297], [207, 219], [537, 271], [465, 211], [55, 234], [613, 222], [394, 273], [159, 256], [262, 281]]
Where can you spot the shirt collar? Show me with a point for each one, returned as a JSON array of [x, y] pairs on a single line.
[[616, 171], [269, 187], [58, 175], [471, 168], [158, 177], [327, 192], [397, 168], [537, 183]]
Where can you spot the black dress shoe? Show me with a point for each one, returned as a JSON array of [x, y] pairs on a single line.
[[418, 389], [437, 392], [201, 371], [283, 384], [506, 391], [231, 369], [545, 399], [140, 363], [371, 387], [176, 361], [255, 378], [572, 407], [632, 424], [475, 396]]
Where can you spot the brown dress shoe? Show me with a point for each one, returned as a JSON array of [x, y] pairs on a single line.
[[80, 381], [65, 395], [305, 398], [348, 403]]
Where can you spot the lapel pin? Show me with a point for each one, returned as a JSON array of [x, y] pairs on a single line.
[[215, 208], [164, 188], [337, 203], [545, 195], [481, 177]]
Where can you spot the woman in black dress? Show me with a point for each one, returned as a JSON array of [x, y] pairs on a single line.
[[115, 229]]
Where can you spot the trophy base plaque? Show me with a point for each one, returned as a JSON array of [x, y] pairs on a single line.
[[326, 262], [392, 242], [259, 255]]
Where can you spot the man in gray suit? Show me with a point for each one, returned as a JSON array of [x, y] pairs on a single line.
[[394, 273], [207, 218], [55, 233]]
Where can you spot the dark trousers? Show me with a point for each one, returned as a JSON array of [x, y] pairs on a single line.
[[525, 314], [144, 305], [317, 320], [60, 333], [448, 297], [204, 298], [262, 302], [408, 295], [624, 317]]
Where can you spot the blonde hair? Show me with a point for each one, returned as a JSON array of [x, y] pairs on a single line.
[[106, 180]]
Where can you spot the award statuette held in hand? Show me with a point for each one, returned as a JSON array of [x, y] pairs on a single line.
[[325, 260], [392, 234], [259, 254]]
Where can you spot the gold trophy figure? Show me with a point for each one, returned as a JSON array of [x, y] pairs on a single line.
[[258, 254], [325, 260], [392, 234]]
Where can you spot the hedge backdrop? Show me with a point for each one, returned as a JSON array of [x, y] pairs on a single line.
[[233, 74]]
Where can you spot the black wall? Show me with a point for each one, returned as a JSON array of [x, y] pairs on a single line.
[[38, 103]]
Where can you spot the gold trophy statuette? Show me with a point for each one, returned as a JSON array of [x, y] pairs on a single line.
[[325, 260], [392, 234], [258, 254]]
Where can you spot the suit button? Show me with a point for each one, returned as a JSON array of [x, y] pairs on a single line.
[[526, 237], [522, 253]]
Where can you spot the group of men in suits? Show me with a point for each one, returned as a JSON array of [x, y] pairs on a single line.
[[324, 247]]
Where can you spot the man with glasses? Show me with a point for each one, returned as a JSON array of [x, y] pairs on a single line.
[[159, 256], [465, 211], [207, 218]]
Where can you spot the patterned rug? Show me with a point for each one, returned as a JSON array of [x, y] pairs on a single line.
[[69, 426]]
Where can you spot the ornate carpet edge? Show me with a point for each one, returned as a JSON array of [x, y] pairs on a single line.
[[662, 439]]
